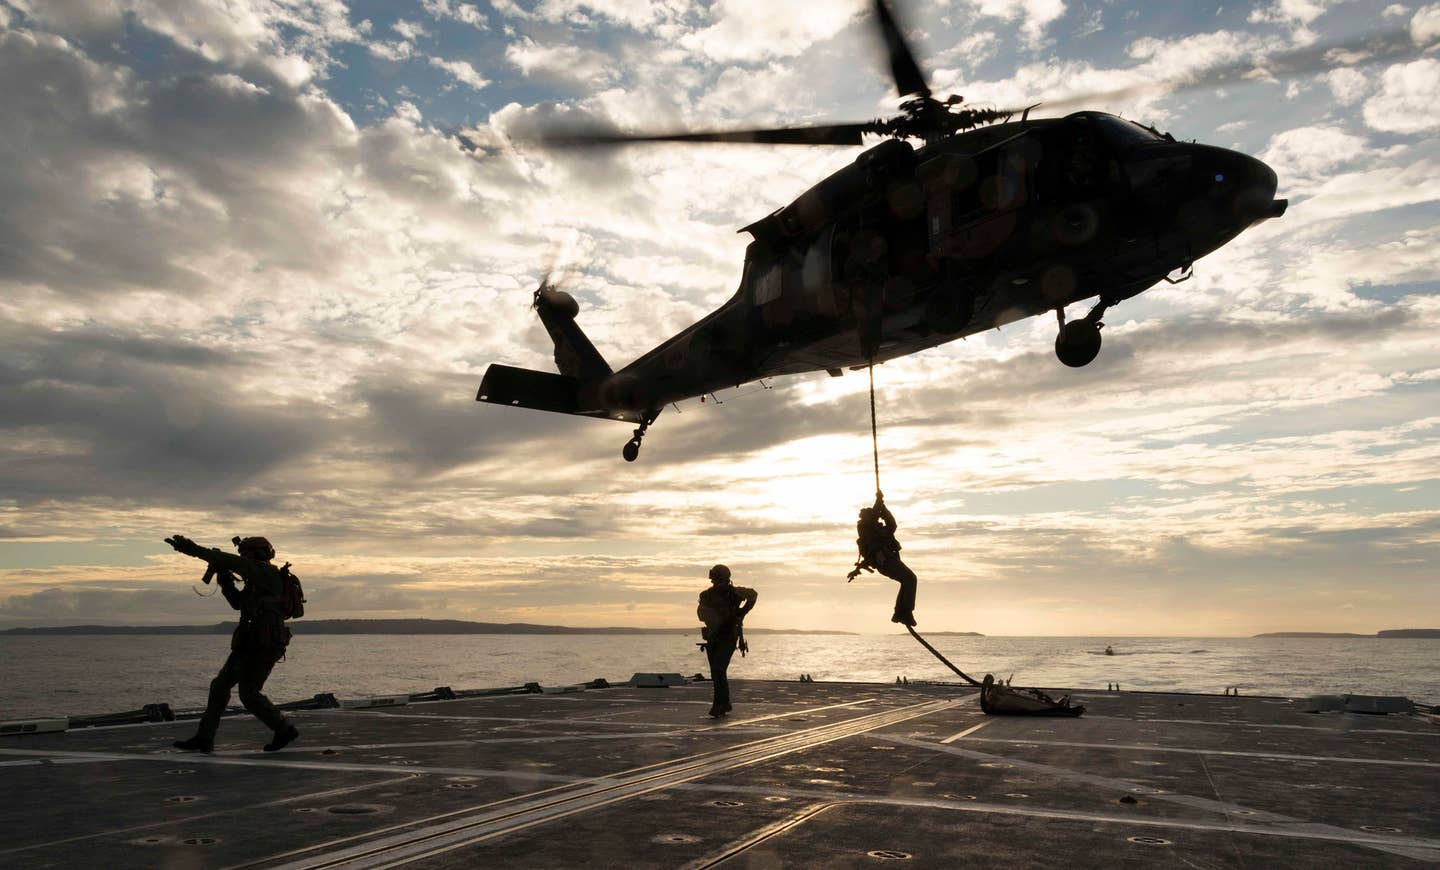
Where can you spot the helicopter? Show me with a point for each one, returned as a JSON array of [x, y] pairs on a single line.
[[995, 217]]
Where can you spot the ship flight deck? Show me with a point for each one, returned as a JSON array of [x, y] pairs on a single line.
[[800, 775]]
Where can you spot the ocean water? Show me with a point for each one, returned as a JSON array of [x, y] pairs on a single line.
[[58, 676]]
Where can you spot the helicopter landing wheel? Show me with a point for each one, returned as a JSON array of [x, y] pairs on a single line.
[[1078, 343], [632, 447]]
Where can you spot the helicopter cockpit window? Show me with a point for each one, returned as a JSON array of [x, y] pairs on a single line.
[[1124, 134]]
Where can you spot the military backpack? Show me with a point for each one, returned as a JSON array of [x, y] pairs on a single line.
[[292, 599]]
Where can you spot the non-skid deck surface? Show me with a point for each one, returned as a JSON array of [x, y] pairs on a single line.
[[801, 775]]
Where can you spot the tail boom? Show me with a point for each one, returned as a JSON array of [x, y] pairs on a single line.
[[545, 391]]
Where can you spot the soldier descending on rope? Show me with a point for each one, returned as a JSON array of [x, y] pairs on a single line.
[[879, 551], [269, 596]]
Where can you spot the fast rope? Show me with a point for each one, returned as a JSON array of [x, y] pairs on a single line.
[[875, 450], [874, 434], [935, 652]]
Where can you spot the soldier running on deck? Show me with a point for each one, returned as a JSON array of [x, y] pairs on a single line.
[[258, 642], [722, 608], [880, 551]]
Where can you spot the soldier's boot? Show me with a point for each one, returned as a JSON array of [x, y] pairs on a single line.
[[283, 739], [196, 744]]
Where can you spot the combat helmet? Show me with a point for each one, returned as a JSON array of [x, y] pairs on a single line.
[[256, 547]]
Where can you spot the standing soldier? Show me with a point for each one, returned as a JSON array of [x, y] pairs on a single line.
[[722, 609], [258, 642]]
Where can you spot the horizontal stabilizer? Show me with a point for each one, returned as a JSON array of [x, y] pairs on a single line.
[[544, 391]]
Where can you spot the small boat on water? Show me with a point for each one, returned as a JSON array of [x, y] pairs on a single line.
[[1109, 650]]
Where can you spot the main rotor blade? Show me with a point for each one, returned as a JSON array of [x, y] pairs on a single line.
[[1390, 45], [820, 134], [908, 77]]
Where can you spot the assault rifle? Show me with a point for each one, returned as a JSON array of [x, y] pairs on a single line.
[[211, 572]]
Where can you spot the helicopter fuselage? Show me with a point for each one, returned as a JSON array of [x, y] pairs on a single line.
[[907, 249]]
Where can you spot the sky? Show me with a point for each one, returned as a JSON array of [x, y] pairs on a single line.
[[250, 280]]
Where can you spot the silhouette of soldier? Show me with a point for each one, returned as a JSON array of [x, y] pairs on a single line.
[[258, 642], [879, 551], [722, 608]]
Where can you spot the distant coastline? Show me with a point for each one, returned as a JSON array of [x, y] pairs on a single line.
[[1387, 633], [380, 626]]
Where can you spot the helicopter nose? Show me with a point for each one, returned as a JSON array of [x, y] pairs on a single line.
[[1229, 191], [1237, 183]]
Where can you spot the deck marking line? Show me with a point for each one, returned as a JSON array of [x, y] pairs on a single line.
[[478, 741], [572, 783], [703, 762], [755, 838], [261, 761], [1340, 731], [575, 784], [800, 712], [468, 830], [521, 719], [971, 730], [1324, 833], [53, 755], [471, 838], [243, 808], [1277, 756], [1195, 802]]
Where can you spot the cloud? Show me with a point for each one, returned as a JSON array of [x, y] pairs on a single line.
[[410, 31], [467, 13], [287, 42], [1405, 103], [658, 16], [1366, 191], [566, 63], [150, 170], [137, 419], [71, 605], [1305, 154], [234, 299], [1298, 14], [462, 71], [1425, 26], [394, 51], [1349, 85], [1034, 15], [749, 31]]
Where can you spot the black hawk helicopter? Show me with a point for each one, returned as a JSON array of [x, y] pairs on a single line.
[[989, 221]]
